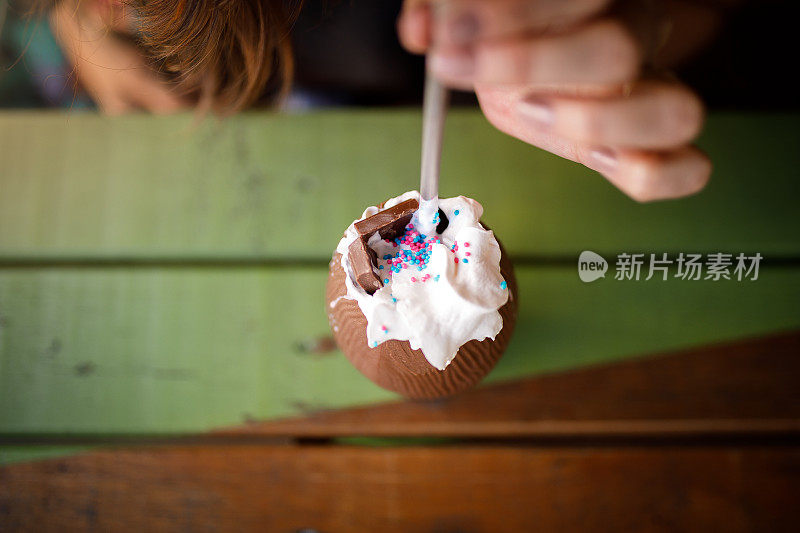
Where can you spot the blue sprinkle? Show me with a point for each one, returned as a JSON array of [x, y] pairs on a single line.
[[503, 285], [419, 268], [436, 278], [394, 300], [380, 267], [455, 212], [386, 280], [375, 344], [465, 260]]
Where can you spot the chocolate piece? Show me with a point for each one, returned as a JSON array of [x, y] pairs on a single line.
[[362, 260], [389, 223], [443, 222]]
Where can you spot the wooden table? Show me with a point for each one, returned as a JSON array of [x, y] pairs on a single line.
[[165, 361]]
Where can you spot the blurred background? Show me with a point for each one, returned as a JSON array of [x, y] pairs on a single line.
[[347, 53]]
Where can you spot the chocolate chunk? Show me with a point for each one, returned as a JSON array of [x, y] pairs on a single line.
[[362, 260], [443, 222], [389, 223]]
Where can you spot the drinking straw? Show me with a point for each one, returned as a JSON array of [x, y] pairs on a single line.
[[434, 109]]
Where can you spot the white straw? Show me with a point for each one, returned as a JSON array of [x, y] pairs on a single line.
[[434, 108]]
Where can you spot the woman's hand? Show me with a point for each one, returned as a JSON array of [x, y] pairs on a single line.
[[558, 75], [111, 70]]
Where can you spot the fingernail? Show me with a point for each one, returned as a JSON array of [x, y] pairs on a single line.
[[536, 111], [602, 160], [463, 29], [452, 64]]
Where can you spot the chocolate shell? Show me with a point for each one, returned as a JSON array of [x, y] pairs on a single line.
[[393, 365]]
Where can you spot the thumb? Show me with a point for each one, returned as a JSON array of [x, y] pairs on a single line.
[[414, 26]]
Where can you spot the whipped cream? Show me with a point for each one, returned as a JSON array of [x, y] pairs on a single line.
[[440, 305]]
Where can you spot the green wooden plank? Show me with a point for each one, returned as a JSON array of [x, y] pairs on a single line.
[[271, 186], [23, 454], [123, 350]]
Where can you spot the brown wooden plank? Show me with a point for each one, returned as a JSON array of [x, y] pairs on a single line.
[[743, 387], [331, 489]]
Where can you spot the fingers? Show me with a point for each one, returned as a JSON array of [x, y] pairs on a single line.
[[648, 176], [655, 115], [644, 175], [464, 22], [596, 55], [414, 26], [552, 75]]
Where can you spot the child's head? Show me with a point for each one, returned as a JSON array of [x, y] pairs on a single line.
[[230, 54], [223, 55]]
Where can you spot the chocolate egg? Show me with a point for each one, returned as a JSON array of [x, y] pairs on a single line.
[[393, 365]]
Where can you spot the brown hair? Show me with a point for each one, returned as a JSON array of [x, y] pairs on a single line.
[[227, 54], [230, 54]]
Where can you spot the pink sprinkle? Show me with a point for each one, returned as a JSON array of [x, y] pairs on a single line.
[[406, 266], [466, 253], [466, 244], [455, 260], [413, 279]]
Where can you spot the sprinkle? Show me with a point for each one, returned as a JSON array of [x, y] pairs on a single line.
[[455, 260], [466, 244], [385, 281], [413, 279], [394, 300], [455, 212], [385, 329], [436, 278], [465, 260], [375, 344], [466, 253], [415, 250], [380, 267], [503, 285]]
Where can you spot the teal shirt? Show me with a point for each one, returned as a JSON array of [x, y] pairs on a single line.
[[33, 71]]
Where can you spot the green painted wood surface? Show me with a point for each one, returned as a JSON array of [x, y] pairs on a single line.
[[164, 350], [269, 186], [198, 337]]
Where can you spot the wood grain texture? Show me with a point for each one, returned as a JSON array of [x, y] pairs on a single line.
[[394, 366], [142, 350], [732, 389], [86, 186], [425, 489]]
